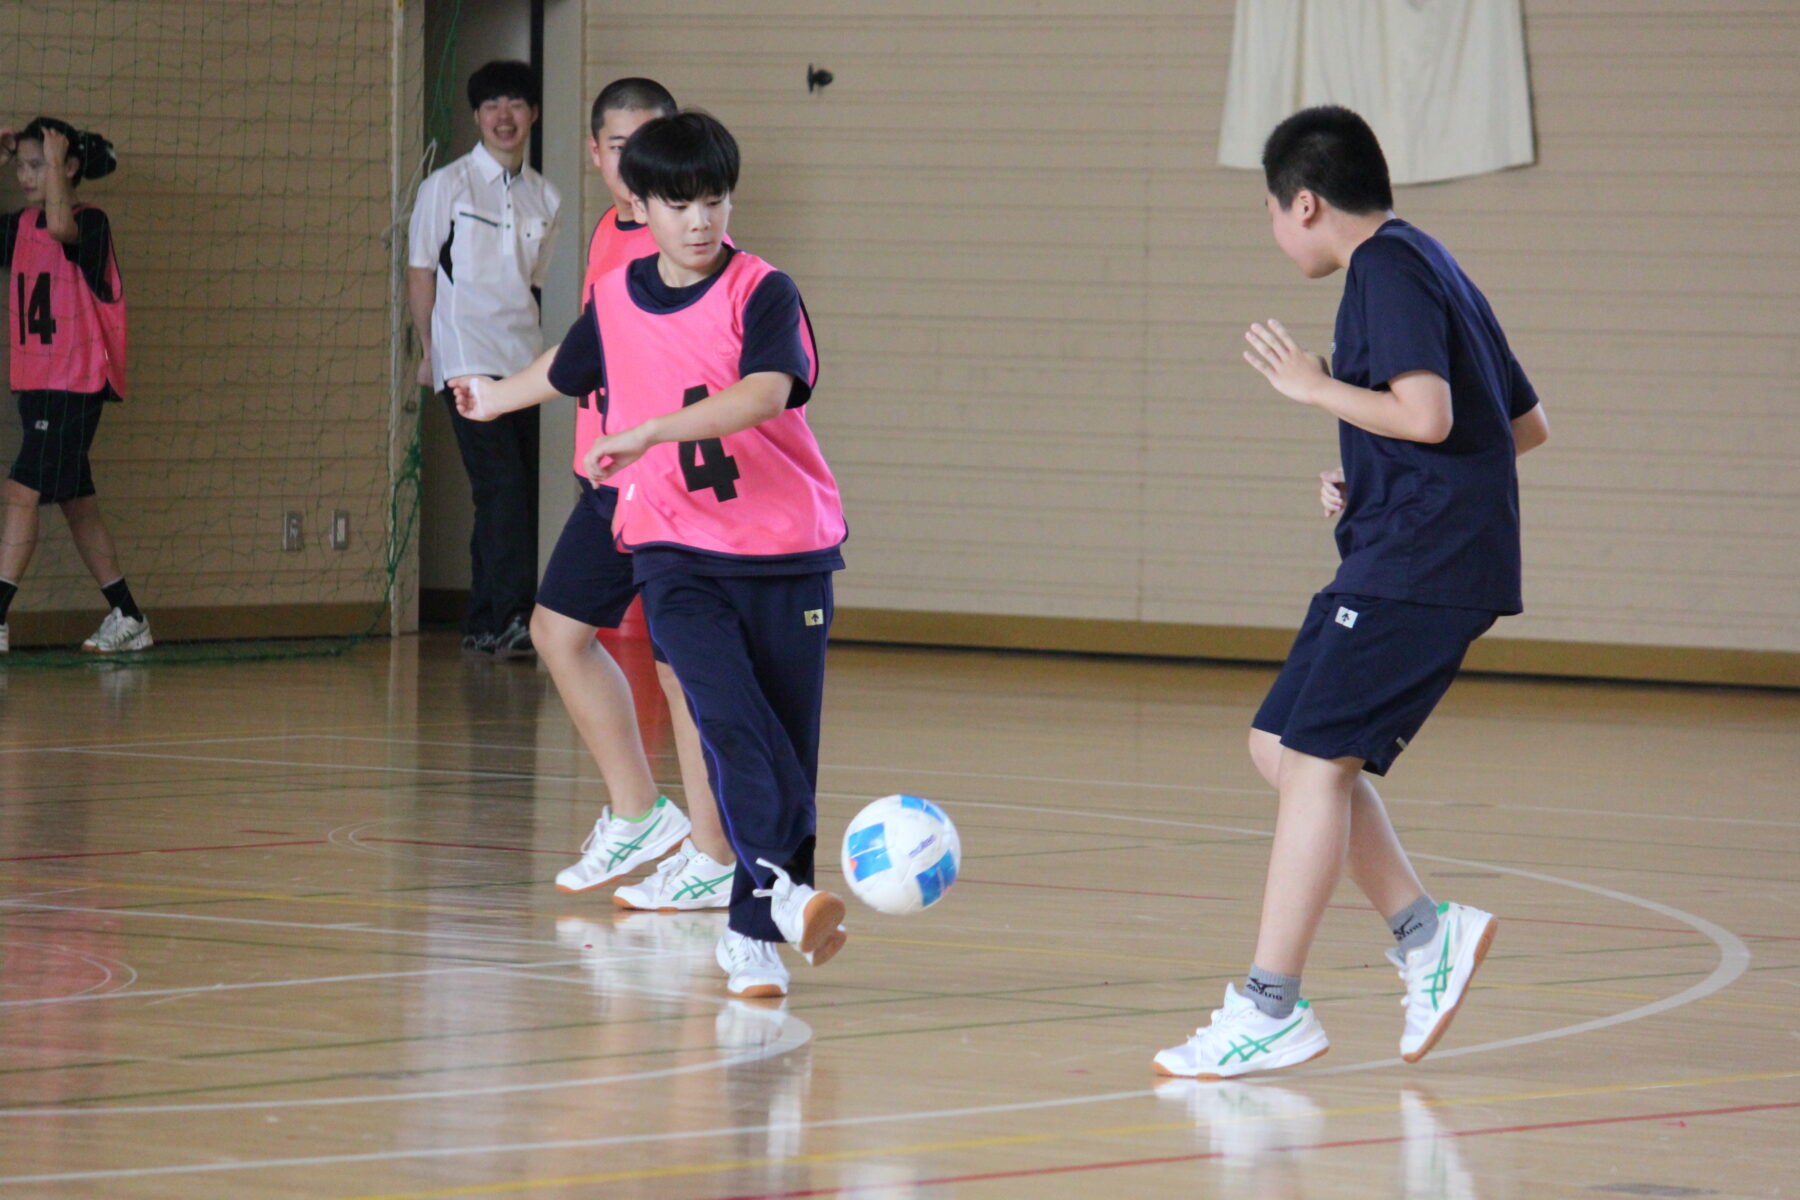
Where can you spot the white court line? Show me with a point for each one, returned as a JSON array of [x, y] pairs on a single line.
[[208, 989]]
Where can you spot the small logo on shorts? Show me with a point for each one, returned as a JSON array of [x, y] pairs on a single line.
[[815, 616], [41, 426], [1347, 617]]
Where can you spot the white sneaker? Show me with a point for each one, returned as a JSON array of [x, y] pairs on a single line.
[[618, 847], [119, 632], [687, 879], [1241, 1040], [753, 968], [808, 918], [1437, 974]]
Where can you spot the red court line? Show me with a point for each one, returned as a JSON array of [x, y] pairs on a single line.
[[161, 850], [1031, 1172]]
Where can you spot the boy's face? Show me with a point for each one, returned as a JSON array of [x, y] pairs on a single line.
[[1299, 232], [616, 127], [689, 233], [505, 122]]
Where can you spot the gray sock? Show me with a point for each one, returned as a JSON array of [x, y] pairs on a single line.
[[1275, 994], [1416, 924]]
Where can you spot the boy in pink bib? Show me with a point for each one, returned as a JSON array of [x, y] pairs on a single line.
[[706, 359]]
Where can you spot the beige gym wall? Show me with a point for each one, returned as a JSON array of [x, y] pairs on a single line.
[[250, 212], [1030, 282]]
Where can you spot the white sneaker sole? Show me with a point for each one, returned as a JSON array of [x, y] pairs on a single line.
[[1304, 1055], [1460, 978], [713, 902], [142, 641], [820, 935]]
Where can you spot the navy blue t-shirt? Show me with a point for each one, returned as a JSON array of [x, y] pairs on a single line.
[[772, 342], [1432, 524]]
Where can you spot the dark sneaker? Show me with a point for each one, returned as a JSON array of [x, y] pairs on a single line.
[[514, 641]]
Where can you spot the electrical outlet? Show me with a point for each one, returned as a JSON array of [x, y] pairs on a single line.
[[290, 530], [340, 529]]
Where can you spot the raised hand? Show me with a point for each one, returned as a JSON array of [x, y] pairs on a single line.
[[1293, 372], [56, 148]]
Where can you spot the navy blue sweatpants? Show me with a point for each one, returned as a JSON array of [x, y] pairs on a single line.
[[750, 654]]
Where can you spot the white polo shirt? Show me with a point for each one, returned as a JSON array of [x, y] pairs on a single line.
[[489, 236]]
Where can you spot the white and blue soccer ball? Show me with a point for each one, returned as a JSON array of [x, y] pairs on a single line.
[[901, 854]]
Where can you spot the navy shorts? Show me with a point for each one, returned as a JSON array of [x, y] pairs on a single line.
[[53, 455], [1364, 674], [588, 578]]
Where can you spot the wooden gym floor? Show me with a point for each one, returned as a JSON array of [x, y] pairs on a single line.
[[287, 930]]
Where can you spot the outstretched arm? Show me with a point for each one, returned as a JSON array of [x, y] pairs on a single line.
[[1415, 408], [750, 401], [481, 399]]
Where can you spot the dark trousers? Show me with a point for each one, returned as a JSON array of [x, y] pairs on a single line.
[[753, 668], [501, 457]]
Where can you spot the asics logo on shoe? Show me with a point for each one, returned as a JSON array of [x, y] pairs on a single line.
[[625, 850], [1439, 979], [1246, 1048], [694, 889]]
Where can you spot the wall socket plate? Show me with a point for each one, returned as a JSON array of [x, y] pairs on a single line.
[[290, 530], [340, 529]]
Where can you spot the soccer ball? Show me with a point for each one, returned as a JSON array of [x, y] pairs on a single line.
[[901, 854]]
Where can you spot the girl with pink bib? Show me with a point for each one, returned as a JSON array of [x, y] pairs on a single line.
[[66, 302]]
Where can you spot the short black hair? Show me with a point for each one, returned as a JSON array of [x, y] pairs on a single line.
[[1331, 152], [93, 154], [689, 156], [505, 79], [631, 94]]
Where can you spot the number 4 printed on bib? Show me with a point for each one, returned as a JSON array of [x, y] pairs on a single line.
[[704, 463]]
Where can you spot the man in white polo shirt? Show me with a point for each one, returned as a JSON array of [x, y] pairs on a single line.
[[480, 242]]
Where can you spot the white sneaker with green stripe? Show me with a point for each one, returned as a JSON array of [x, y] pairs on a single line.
[[1242, 1039], [687, 879], [1437, 974], [619, 845]]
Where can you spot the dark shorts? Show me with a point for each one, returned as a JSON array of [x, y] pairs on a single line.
[[1364, 674], [588, 578], [53, 455]]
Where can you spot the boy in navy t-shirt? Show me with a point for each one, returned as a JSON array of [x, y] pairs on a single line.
[[1432, 411]]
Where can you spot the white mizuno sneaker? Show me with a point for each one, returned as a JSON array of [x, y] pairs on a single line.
[[119, 632], [688, 879], [618, 846], [1437, 974], [809, 919], [1241, 1040], [753, 968]]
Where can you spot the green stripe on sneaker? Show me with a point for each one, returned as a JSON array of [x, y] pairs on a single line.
[[1246, 1048], [697, 888]]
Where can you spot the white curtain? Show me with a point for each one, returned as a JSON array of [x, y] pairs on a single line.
[[1442, 82]]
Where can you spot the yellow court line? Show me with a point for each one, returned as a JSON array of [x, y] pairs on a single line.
[[673, 1172]]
